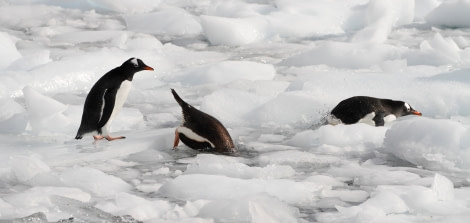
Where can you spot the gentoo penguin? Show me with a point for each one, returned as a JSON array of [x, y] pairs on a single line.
[[106, 98], [371, 110], [201, 131]]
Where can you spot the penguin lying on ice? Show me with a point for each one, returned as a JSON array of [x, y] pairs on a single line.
[[368, 109], [201, 131], [106, 98]]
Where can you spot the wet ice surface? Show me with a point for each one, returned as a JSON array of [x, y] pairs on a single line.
[[270, 71]]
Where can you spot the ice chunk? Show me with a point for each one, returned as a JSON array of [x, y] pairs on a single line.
[[9, 107], [381, 17], [128, 119], [31, 59], [232, 31], [45, 113], [424, 7], [25, 167], [373, 175], [434, 144], [12, 116], [344, 55], [37, 196], [443, 187], [458, 9], [121, 6], [9, 53], [235, 110], [259, 208], [226, 72], [171, 21], [94, 181], [346, 195], [376, 208], [301, 19], [340, 135], [228, 166], [296, 158], [138, 207], [287, 108], [214, 187], [40, 105], [435, 51]]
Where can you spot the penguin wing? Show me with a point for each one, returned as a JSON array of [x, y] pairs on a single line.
[[109, 101], [379, 119], [92, 111]]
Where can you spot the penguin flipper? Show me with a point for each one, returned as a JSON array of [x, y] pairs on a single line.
[[379, 119], [109, 101]]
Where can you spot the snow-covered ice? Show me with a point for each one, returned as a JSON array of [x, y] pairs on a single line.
[[269, 70]]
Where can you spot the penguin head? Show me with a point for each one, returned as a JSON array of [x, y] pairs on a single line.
[[135, 65], [406, 109]]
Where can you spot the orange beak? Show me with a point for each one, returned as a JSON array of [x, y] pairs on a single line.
[[416, 113], [147, 68]]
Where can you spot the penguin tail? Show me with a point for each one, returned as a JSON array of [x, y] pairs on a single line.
[[79, 136], [178, 99]]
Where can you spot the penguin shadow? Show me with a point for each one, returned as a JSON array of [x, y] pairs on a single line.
[[93, 147], [242, 150]]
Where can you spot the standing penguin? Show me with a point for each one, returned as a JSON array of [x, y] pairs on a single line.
[[106, 98], [201, 131], [365, 109]]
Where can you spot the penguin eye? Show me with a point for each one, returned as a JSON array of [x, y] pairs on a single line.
[[407, 107]]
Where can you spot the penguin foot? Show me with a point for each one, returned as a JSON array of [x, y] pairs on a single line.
[[176, 140], [109, 138], [98, 137]]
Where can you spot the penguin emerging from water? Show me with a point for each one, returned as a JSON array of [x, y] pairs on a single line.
[[368, 109], [201, 131], [106, 98]]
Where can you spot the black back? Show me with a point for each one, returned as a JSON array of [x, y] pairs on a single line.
[[99, 102], [204, 125]]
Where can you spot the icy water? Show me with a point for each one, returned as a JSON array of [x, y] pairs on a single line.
[[269, 71]]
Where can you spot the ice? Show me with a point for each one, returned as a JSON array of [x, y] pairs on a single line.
[[381, 17], [211, 164], [12, 116], [140, 6], [270, 71], [94, 181], [9, 52], [438, 50], [443, 187], [434, 143], [171, 21], [228, 71], [45, 114], [231, 31], [260, 208], [439, 16], [25, 168], [215, 187], [345, 55]]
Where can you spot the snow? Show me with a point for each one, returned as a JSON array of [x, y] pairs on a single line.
[[269, 71]]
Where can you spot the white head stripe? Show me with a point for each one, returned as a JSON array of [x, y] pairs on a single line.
[[407, 106], [134, 61]]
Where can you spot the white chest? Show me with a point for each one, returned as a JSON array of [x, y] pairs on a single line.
[[368, 119], [121, 96]]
